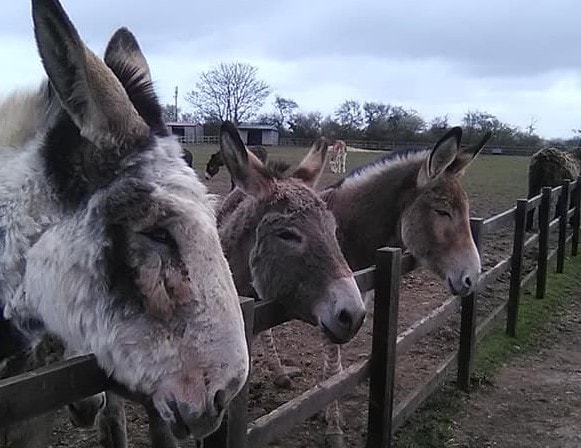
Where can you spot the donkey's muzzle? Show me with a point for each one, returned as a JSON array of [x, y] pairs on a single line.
[[344, 316], [464, 284], [195, 412], [188, 421]]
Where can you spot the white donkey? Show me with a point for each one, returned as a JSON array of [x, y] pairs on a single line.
[[108, 240], [338, 157]]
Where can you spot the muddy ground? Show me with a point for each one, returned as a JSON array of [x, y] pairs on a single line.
[[494, 186]]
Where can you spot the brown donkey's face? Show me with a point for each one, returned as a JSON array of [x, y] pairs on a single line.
[[436, 226], [295, 257]]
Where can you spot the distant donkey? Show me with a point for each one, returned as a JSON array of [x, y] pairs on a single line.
[[108, 241], [216, 161], [550, 167], [188, 157], [338, 157]]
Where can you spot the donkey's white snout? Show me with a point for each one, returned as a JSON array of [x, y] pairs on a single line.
[[465, 283], [345, 313]]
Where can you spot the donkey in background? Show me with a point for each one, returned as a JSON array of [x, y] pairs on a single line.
[[550, 167], [216, 161], [108, 241], [338, 157]]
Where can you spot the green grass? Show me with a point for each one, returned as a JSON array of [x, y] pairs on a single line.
[[493, 183], [535, 317], [432, 425]]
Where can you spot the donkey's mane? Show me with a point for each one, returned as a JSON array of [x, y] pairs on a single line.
[[24, 113], [277, 168], [393, 159]]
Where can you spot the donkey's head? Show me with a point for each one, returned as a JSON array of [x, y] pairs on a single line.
[[134, 272], [436, 225], [294, 256], [213, 166]]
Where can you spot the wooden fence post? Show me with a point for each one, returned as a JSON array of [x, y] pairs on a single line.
[[468, 319], [564, 200], [383, 348], [542, 262], [516, 266], [576, 217], [232, 432]]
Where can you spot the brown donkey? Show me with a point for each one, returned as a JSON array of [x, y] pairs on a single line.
[[280, 241], [411, 199]]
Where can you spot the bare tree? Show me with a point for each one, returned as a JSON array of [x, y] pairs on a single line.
[[532, 127], [229, 91], [169, 113], [285, 108]]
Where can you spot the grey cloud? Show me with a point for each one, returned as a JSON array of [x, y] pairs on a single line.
[[486, 38]]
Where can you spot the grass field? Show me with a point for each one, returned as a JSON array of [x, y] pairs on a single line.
[[493, 183]]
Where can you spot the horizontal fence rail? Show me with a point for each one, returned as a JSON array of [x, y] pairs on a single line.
[[67, 381]]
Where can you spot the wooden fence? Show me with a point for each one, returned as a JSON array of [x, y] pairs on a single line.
[[382, 145], [65, 382]]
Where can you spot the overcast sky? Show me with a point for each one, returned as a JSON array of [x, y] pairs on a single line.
[[517, 59]]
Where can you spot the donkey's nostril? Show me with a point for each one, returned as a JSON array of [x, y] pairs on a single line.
[[345, 318], [220, 400], [467, 282]]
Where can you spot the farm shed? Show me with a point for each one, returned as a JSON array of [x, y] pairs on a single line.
[[258, 134], [188, 132]]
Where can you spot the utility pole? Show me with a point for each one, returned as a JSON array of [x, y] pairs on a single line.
[[176, 104], [531, 128]]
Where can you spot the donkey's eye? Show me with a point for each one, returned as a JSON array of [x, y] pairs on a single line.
[[289, 235], [159, 235], [443, 213]]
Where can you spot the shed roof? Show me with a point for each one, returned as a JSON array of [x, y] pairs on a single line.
[[264, 127], [185, 125]]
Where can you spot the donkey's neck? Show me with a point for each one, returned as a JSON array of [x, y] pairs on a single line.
[[368, 205], [236, 226]]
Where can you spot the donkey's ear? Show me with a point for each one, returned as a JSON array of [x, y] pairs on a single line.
[[467, 155], [123, 48], [125, 58], [87, 89], [247, 171], [441, 157], [311, 168]]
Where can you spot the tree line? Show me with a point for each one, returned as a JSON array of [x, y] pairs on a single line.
[[234, 91]]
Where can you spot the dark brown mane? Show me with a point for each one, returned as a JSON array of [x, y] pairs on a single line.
[[277, 168]]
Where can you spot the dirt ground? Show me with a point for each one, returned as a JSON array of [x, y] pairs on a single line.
[[493, 184], [535, 401]]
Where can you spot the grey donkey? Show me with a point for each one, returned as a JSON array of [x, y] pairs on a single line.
[[280, 241], [108, 240]]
